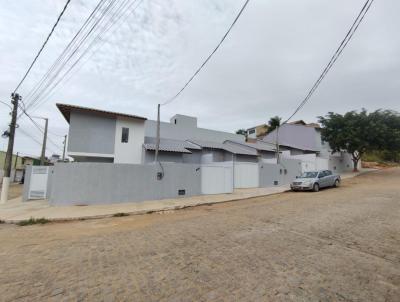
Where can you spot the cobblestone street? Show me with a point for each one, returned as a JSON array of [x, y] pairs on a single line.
[[335, 245]]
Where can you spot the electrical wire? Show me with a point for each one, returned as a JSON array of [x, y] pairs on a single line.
[[335, 56], [43, 45], [116, 17], [209, 56]]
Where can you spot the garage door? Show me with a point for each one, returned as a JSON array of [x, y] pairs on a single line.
[[246, 175], [216, 179]]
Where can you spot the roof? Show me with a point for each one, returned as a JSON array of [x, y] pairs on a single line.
[[66, 112], [258, 145], [170, 145], [230, 148]]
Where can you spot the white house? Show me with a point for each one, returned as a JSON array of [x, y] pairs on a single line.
[[103, 136], [299, 140]]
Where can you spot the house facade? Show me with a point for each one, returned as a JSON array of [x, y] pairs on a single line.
[[299, 140], [110, 137]]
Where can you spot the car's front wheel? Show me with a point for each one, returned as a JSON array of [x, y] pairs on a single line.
[[337, 183], [316, 187]]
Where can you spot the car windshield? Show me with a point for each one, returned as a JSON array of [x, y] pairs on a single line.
[[309, 175]]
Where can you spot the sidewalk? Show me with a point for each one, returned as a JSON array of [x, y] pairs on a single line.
[[15, 210]]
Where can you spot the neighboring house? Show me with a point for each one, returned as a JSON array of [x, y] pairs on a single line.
[[303, 141], [257, 131], [16, 166]]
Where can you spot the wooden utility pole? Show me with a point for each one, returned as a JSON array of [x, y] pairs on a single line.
[[43, 156], [15, 97], [65, 144], [15, 167]]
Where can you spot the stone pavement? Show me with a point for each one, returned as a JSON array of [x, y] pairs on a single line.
[[338, 244], [15, 210]]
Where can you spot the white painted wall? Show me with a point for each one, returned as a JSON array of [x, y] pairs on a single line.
[[130, 152]]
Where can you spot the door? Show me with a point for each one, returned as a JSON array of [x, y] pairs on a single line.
[[38, 182], [216, 179], [246, 175]]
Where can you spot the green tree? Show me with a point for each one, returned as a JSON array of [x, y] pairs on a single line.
[[360, 132], [273, 123], [241, 132]]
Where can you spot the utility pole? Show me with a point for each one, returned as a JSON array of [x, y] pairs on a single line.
[[278, 160], [158, 135], [65, 143], [43, 156], [8, 161], [15, 167]]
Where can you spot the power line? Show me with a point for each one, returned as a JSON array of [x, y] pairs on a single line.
[[209, 57], [114, 19], [9, 106], [335, 56], [44, 44]]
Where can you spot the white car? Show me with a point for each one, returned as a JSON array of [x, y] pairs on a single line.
[[315, 180]]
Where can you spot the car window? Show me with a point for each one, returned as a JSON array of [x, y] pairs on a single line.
[[309, 175], [321, 174], [328, 172]]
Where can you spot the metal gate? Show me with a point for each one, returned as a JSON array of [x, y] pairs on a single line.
[[38, 182], [246, 175], [216, 178]]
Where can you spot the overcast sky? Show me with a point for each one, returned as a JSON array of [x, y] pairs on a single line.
[[265, 67]]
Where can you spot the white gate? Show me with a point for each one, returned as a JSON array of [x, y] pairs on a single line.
[[246, 175], [216, 179], [38, 182]]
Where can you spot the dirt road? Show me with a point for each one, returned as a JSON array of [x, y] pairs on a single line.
[[335, 245]]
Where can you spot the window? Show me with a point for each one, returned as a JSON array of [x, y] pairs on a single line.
[[252, 131], [125, 135]]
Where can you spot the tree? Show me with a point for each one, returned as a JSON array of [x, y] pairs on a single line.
[[241, 132], [361, 132], [273, 123]]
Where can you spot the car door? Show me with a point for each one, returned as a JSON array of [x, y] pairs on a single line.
[[321, 179], [329, 178]]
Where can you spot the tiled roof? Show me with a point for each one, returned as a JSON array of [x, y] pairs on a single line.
[[170, 145], [230, 148], [259, 145], [66, 112]]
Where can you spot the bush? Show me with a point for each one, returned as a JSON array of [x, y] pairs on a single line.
[[120, 214], [32, 221]]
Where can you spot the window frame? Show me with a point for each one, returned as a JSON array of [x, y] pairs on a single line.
[[125, 132]]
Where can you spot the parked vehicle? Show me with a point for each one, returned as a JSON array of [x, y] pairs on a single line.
[[315, 180]]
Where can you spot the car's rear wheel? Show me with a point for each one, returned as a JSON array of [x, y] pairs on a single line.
[[337, 183], [316, 187]]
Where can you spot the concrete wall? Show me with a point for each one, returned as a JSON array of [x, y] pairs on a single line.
[[283, 173], [130, 152], [89, 183], [91, 134]]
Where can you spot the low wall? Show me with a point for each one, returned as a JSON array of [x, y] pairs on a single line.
[[279, 174], [103, 183]]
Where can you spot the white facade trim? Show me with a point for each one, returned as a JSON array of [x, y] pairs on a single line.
[[90, 154]]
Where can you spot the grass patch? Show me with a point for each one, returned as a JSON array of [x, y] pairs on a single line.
[[120, 214], [32, 221]]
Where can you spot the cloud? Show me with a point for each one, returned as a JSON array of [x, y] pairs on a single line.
[[265, 67]]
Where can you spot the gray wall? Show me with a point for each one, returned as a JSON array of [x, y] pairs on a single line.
[[276, 172], [98, 183], [172, 131], [91, 133], [172, 157]]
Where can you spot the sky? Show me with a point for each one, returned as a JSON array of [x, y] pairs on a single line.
[[265, 67]]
